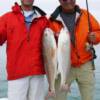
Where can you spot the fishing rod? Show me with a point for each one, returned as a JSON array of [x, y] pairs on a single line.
[[90, 30]]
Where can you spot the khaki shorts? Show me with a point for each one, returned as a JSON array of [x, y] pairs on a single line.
[[84, 77]]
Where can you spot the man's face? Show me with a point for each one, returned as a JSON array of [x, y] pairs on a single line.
[[27, 2], [67, 3]]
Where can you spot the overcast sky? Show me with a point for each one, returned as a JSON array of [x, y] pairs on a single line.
[[50, 5]]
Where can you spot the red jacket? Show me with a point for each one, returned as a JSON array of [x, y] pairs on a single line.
[[24, 48]]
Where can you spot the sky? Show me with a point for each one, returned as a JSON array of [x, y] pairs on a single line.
[[49, 5]]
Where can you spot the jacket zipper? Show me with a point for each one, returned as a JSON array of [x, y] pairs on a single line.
[[28, 36], [28, 33]]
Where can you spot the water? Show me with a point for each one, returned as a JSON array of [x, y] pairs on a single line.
[[3, 88]]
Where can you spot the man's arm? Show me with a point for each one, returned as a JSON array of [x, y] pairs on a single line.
[[94, 35], [3, 31]]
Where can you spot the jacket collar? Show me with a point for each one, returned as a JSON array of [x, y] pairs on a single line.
[[55, 16], [56, 13]]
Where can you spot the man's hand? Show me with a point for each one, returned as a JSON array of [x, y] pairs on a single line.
[[91, 37], [51, 94], [65, 88]]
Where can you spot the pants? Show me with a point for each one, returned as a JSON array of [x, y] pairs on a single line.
[[84, 77], [28, 88]]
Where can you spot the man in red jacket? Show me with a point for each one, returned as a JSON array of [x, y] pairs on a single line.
[[23, 28]]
